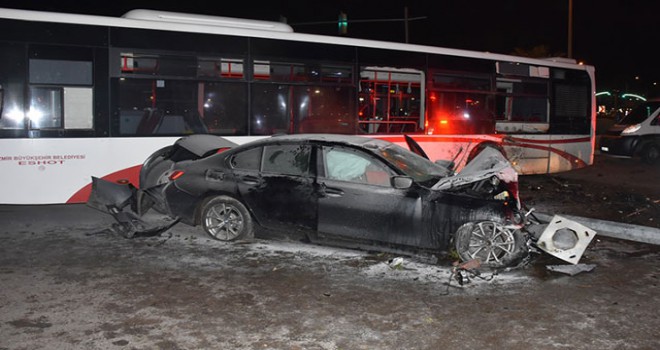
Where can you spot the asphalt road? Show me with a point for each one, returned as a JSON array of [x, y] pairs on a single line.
[[66, 282]]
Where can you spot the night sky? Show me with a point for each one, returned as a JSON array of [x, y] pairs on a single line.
[[618, 37]]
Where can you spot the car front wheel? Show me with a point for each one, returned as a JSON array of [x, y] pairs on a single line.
[[226, 219], [492, 243]]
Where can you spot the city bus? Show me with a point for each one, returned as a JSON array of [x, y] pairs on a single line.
[[85, 96]]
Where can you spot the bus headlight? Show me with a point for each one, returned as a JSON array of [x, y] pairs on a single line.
[[631, 129]]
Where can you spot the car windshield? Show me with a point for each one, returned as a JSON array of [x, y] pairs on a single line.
[[640, 113], [411, 164]]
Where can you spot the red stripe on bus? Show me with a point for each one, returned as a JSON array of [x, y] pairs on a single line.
[[550, 142], [575, 161], [131, 174], [431, 138]]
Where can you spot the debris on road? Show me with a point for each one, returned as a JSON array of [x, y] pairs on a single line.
[[571, 270], [396, 263], [565, 239]]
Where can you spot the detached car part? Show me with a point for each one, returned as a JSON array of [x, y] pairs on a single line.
[[565, 239]]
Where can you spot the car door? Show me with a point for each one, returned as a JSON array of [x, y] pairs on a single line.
[[278, 189], [357, 200]]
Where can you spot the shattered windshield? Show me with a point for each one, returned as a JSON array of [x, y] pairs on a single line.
[[640, 113], [417, 167]]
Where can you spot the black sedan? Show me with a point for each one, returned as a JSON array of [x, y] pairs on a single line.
[[334, 189]]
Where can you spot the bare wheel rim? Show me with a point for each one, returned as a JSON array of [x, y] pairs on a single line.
[[224, 221], [490, 242]]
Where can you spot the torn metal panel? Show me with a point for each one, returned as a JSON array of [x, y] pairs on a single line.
[[565, 239], [127, 205], [107, 195]]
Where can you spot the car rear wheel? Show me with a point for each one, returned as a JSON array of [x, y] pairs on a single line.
[[492, 243], [226, 219]]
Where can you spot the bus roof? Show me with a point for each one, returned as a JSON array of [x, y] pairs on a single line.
[[194, 23]]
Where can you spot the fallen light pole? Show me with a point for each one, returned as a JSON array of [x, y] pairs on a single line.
[[613, 229]]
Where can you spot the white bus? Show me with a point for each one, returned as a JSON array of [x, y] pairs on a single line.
[[86, 96]]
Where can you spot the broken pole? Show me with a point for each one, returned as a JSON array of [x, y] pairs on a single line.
[[612, 229]]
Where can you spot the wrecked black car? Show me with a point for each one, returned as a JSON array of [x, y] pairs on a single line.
[[342, 190]]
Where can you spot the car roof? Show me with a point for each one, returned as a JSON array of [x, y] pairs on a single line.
[[354, 140]]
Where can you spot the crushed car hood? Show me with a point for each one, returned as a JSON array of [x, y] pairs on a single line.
[[489, 162]]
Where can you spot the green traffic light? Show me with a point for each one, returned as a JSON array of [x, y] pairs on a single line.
[[342, 23]]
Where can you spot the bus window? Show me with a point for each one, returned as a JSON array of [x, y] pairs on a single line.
[[571, 104], [178, 107], [324, 109], [302, 109], [522, 106], [311, 98], [224, 109], [391, 100], [61, 95], [270, 109], [45, 108], [461, 104]]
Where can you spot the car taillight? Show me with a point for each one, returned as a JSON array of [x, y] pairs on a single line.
[[220, 150], [175, 175]]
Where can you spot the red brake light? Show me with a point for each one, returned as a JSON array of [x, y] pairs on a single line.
[[220, 150], [175, 175]]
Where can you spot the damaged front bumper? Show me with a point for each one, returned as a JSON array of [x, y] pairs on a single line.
[[128, 205]]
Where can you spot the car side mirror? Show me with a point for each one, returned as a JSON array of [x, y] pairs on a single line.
[[402, 182]]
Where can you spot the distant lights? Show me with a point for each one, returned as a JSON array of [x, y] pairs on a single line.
[[607, 93], [634, 96]]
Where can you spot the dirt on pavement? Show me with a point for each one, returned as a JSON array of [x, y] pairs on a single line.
[[614, 189], [67, 282]]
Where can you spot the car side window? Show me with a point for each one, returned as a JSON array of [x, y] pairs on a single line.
[[247, 160], [286, 159], [349, 165]]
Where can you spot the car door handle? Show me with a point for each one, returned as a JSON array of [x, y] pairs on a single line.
[[250, 180], [331, 192]]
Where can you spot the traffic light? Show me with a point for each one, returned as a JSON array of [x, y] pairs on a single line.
[[342, 23]]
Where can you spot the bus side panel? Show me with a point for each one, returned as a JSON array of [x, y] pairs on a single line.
[[570, 152], [51, 171]]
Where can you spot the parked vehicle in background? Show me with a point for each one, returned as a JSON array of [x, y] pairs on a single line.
[[636, 135]]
